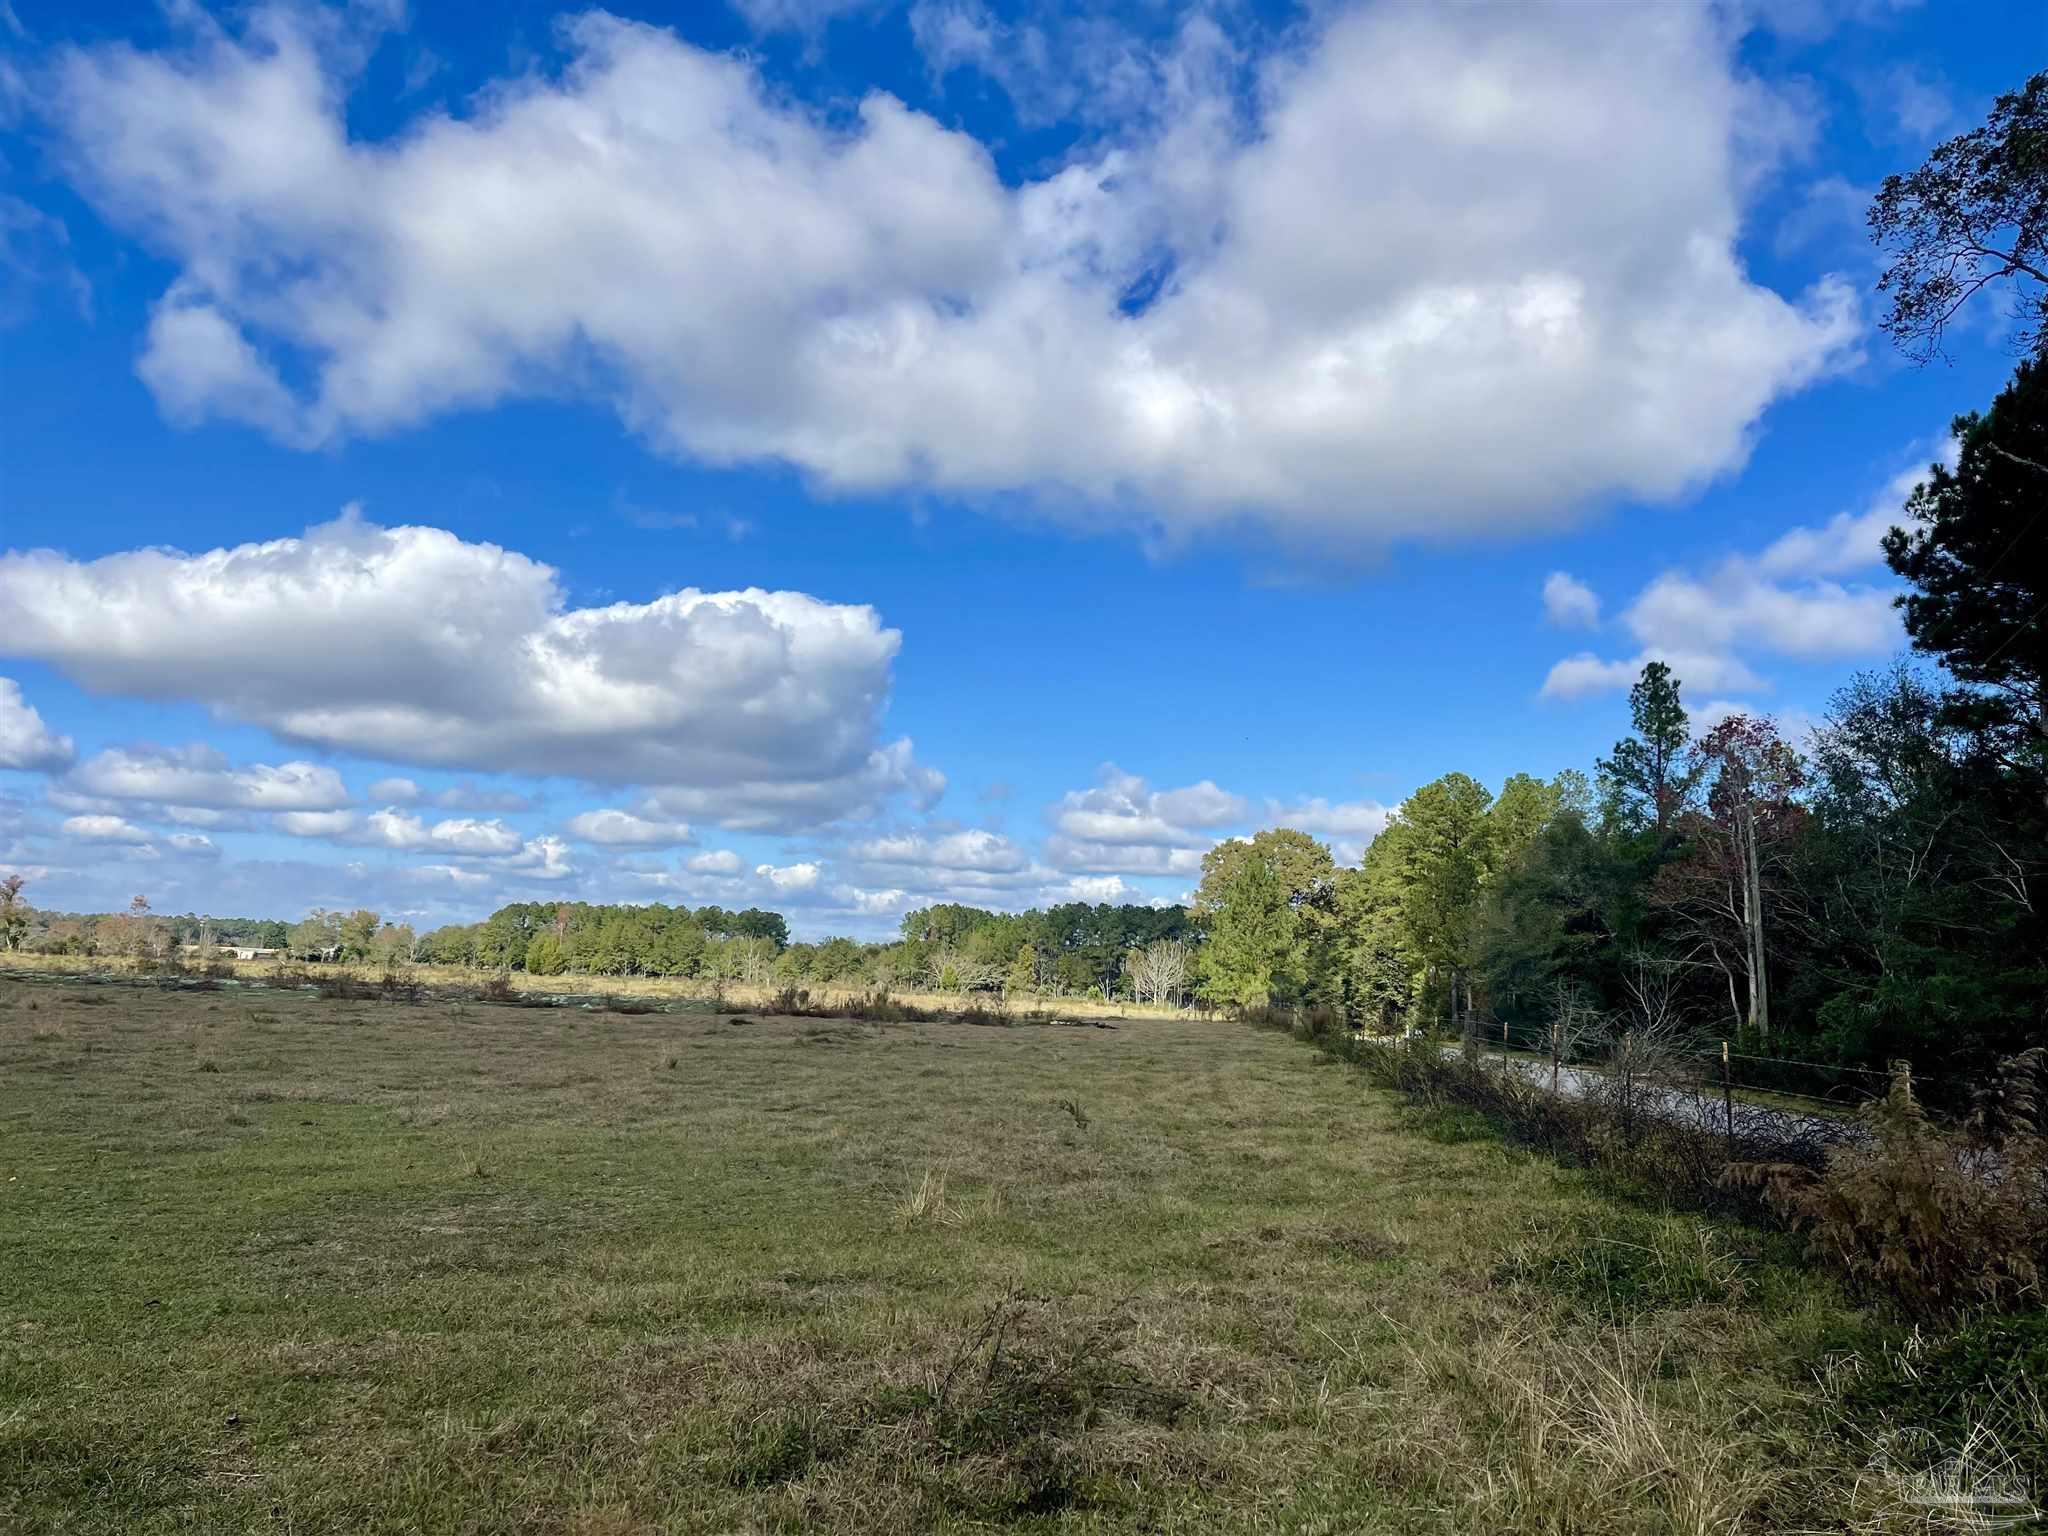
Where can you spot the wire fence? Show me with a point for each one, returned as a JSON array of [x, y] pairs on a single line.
[[1824, 1087]]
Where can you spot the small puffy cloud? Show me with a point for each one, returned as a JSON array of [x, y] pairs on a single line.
[[1733, 605], [393, 828], [199, 776], [789, 877], [614, 828], [1582, 675], [315, 823], [718, 861], [755, 708], [103, 829], [1090, 888], [541, 858], [395, 791], [1123, 808], [25, 741], [884, 903], [193, 845], [200, 366], [1569, 603]]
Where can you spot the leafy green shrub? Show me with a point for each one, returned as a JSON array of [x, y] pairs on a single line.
[[545, 956]]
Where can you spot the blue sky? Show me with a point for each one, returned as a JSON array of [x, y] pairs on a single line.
[[1160, 423]]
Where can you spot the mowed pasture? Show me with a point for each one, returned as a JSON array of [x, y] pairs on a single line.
[[270, 1262]]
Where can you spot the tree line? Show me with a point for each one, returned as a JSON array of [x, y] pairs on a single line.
[[1069, 949]]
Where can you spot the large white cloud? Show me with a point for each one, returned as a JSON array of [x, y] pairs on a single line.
[[412, 645], [25, 741], [1467, 268], [199, 776]]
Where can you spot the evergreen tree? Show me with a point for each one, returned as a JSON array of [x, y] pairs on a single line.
[[1253, 952], [1975, 550], [1644, 784]]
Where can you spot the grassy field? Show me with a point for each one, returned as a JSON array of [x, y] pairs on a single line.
[[275, 1263]]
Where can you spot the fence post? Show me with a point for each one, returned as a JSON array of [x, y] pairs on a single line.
[[1555, 1052], [1727, 1099]]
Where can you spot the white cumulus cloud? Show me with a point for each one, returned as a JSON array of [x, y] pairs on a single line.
[[25, 741], [615, 828], [1524, 216], [103, 829], [1791, 599], [200, 776], [973, 850], [410, 644], [1124, 809], [1569, 603], [789, 877]]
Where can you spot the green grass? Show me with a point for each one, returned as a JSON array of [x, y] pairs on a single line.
[[274, 1263]]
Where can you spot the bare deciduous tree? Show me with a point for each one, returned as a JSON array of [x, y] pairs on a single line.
[[1159, 972]]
